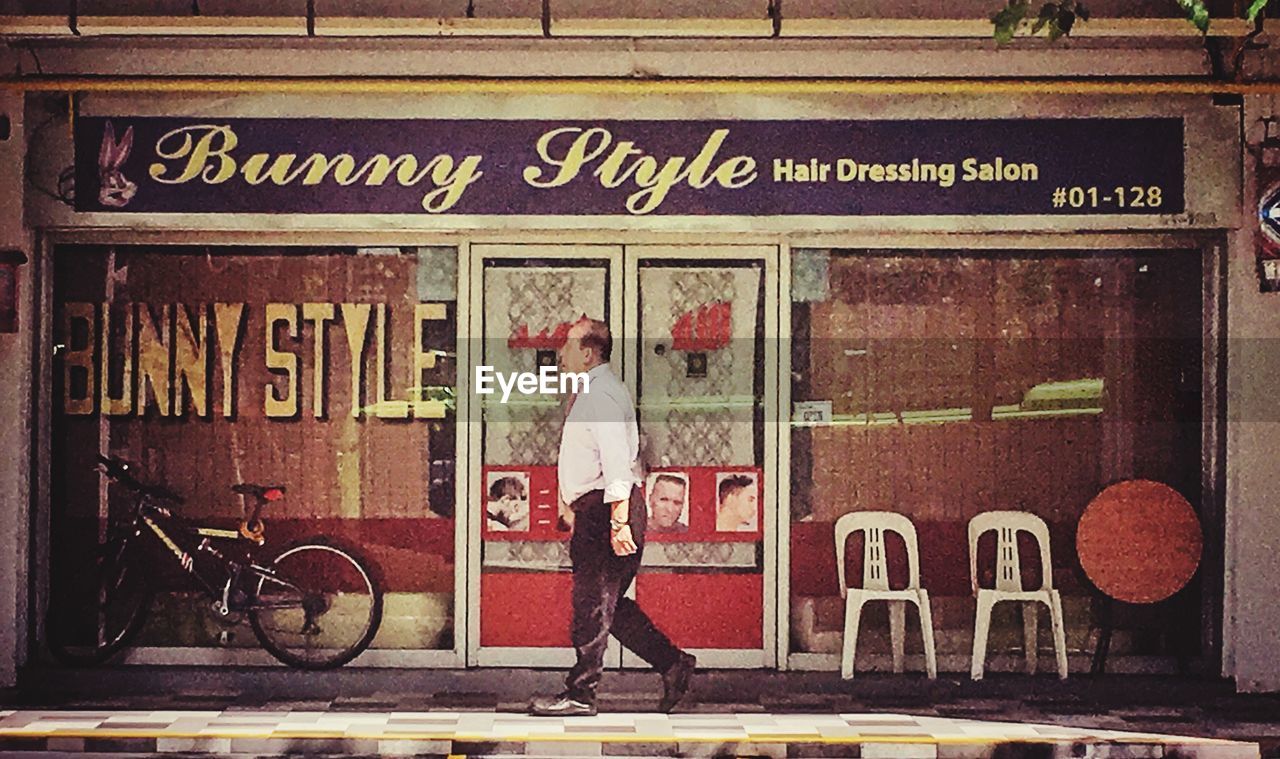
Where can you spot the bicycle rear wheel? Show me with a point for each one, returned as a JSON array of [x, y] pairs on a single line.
[[97, 606], [317, 606]]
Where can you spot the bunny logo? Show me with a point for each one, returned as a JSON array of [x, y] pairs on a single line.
[[114, 189]]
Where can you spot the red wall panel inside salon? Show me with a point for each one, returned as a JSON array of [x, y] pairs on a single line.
[[705, 610], [533, 609], [525, 609]]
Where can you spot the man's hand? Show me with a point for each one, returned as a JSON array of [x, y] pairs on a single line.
[[622, 542], [619, 529], [566, 513]]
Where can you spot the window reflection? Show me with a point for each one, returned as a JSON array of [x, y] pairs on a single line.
[[939, 385]]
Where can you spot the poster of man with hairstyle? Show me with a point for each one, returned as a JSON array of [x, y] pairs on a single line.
[[737, 502], [668, 502]]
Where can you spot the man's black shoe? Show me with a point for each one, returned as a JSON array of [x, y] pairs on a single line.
[[560, 706], [675, 682]]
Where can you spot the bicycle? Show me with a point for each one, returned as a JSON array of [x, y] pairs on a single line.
[[286, 600]]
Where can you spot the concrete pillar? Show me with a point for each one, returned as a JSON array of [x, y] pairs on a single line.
[[15, 401], [1251, 624]]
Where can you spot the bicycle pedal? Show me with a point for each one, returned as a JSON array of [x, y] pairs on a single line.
[[225, 637]]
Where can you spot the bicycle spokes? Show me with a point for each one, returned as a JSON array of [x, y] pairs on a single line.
[[97, 607], [316, 606]]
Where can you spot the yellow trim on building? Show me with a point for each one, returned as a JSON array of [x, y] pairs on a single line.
[[580, 86]]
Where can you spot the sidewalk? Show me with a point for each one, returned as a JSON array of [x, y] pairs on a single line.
[[478, 712], [883, 736]]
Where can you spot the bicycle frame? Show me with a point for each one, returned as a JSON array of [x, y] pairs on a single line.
[[225, 566], [156, 518]]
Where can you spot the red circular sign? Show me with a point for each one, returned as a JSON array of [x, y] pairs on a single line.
[[1139, 541]]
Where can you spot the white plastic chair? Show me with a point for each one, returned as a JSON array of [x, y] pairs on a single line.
[[1007, 525], [875, 586]]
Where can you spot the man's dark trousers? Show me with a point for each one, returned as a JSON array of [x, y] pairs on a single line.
[[600, 580]]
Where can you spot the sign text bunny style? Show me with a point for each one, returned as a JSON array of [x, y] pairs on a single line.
[[198, 360], [629, 168]]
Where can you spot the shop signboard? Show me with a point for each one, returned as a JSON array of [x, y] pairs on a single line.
[[215, 165]]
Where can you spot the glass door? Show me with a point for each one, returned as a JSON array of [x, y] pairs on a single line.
[[696, 342], [704, 374], [524, 299]]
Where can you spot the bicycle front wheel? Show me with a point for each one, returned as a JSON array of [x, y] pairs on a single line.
[[317, 606], [99, 601]]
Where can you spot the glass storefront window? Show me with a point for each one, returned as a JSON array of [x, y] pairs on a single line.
[[943, 384], [331, 371]]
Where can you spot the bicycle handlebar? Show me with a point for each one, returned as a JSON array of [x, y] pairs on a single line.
[[118, 470]]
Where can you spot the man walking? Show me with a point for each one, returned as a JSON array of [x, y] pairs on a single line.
[[598, 463]]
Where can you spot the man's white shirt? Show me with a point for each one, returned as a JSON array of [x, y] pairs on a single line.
[[600, 444]]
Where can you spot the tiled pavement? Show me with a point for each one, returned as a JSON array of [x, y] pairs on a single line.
[[873, 736], [237, 712]]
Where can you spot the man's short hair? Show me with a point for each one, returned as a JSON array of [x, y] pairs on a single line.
[[507, 486], [598, 338], [729, 485], [673, 479]]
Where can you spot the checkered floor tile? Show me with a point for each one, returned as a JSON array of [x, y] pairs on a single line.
[[874, 736]]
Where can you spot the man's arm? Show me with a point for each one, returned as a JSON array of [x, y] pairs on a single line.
[[611, 439], [615, 463]]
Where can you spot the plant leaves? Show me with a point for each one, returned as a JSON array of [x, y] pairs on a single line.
[[1066, 20], [1256, 7], [1008, 18], [1197, 13], [1048, 12]]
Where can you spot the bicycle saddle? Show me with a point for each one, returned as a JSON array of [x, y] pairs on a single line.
[[265, 492]]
